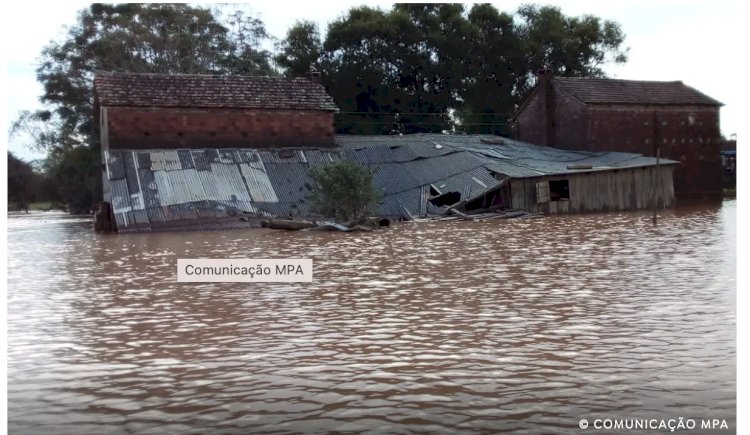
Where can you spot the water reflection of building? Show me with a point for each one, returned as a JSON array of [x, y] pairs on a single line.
[[214, 152]]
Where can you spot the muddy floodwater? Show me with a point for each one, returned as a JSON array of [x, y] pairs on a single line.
[[440, 327]]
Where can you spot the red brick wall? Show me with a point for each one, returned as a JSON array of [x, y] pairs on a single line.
[[569, 123], [567, 120], [688, 134], [531, 122], [219, 128]]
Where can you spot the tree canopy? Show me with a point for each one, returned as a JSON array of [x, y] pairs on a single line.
[[343, 190], [20, 179], [437, 67], [411, 68]]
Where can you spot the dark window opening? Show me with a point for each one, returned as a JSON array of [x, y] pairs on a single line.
[[490, 201], [559, 189], [448, 198], [475, 204], [286, 154]]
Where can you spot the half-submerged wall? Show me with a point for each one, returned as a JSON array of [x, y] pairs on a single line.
[[600, 191]]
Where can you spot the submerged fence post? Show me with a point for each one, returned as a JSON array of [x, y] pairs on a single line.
[[657, 181], [657, 151]]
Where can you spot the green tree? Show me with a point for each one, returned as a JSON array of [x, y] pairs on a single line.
[[435, 67], [300, 50], [384, 71], [144, 38], [76, 173], [344, 190], [569, 46], [359, 71], [20, 183], [492, 65]]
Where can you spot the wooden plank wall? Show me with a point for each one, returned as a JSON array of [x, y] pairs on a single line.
[[622, 189]]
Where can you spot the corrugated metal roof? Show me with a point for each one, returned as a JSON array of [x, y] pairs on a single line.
[[319, 157], [470, 183], [282, 156], [211, 189], [257, 181], [167, 160], [403, 204], [290, 181]]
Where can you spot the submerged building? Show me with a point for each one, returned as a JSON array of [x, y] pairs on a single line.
[[629, 116], [249, 150]]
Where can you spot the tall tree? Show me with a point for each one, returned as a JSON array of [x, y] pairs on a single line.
[[432, 67], [569, 46], [20, 183], [492, 65], [384, 72], [358, 70], [300, 50]]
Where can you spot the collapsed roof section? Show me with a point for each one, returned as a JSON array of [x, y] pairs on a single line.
[[202, 189]]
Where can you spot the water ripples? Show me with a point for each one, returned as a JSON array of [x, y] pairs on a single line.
[[447, 327]]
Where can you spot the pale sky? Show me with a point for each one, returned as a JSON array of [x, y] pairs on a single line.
[[698, 42]]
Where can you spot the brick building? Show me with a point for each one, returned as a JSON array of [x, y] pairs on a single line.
[[150, 124], [186, 111], [629, 116]]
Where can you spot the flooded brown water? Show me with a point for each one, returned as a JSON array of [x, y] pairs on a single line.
[[443, 327]]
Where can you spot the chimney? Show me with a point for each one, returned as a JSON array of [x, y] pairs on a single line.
[[313, 75], [543, 75], [544, 81]]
